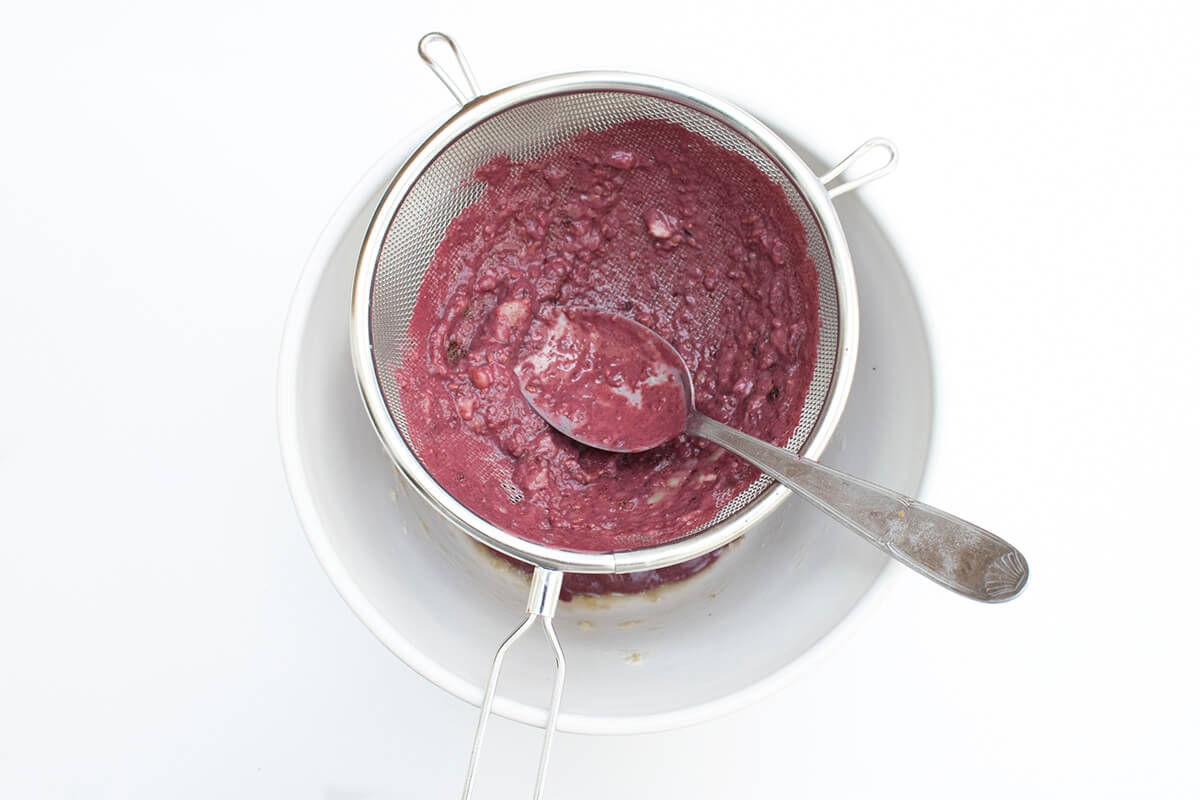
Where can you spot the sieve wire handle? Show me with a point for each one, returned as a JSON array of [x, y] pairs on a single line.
[[878, 143], [542, 603], [463, 96], [953, 552]]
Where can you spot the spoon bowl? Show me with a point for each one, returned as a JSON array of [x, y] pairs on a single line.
[[607, 381]]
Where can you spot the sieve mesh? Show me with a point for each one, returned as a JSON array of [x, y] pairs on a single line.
[[447, 186]]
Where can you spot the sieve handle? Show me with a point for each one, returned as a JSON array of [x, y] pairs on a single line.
[[462, 95], [542, 603], [953, 552], [878, 143]]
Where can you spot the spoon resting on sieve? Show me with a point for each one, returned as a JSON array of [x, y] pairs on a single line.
[[614, 384]]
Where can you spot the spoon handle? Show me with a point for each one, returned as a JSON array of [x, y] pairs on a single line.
[[951, 551]]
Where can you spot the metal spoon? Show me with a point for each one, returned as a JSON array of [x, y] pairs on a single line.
[[583, 380]]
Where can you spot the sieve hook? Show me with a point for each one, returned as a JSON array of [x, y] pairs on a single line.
[[462, 96], [862, 180], [542, 603]]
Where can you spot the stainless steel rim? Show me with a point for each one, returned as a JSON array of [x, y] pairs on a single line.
[[813, 189]]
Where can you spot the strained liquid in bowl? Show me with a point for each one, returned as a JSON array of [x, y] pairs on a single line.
[[645, 219]]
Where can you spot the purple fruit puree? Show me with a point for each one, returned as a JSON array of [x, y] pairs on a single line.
[[646, 220]]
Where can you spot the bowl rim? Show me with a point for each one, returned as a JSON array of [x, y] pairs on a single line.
[[355, 202]]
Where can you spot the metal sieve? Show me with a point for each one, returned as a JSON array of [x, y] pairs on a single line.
[[524, 121]]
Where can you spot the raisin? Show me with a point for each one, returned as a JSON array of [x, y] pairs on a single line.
[[455, 351], [773, 395]]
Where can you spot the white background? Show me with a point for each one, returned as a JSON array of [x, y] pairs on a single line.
[[165, 631]]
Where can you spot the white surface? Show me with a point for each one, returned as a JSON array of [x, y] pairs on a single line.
[[752, 623], [166, 629]]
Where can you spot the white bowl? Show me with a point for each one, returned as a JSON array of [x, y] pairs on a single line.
[[683, 654]]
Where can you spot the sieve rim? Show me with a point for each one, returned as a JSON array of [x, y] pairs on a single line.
[[476, 111]]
